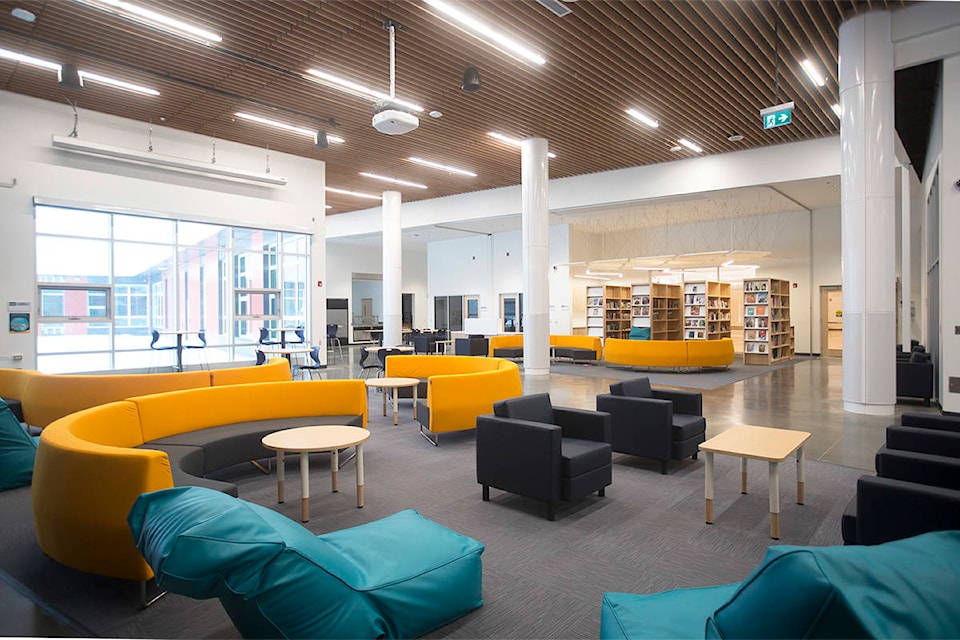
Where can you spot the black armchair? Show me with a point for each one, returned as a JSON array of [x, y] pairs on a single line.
[[654, 423], [471, 346], [425, 342], [915, 377], [531, 448], [931, 421]]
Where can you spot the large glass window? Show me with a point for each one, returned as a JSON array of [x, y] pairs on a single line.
[[107, 280]]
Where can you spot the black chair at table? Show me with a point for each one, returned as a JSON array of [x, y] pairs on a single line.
[[654, 423], [472, 345], [310, 368], [333, 340], [383, 354], [261, 357], [265, 337], [367, 366], [533, 449], [155, 335]]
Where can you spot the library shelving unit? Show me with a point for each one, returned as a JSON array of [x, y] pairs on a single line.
[[616, 310], [640, 305], [608, 311], [766, 321], [706, 310], [666, 314]]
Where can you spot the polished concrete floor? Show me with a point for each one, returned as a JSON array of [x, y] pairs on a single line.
[[805, 396]]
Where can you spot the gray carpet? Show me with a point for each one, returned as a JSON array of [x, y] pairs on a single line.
[[541, 579], [703, 380]]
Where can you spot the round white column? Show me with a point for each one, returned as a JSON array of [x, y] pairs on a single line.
[[868, 214], [535, 216], [392, 270]]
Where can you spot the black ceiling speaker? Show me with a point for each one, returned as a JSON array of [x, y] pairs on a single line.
[[320, 140], [471, 80], [69, 77]]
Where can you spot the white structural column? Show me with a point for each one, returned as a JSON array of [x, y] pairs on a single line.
[[392, 270], [535, 216], [906, 272], [867, 213]]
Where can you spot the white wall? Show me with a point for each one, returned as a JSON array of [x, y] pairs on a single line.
[[347, 258], [42, 172], [949, 233]]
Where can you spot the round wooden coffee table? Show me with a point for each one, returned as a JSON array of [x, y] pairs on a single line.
[[307, 440], [396, 384]]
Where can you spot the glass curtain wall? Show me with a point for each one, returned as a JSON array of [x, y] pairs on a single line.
[[107, 281]]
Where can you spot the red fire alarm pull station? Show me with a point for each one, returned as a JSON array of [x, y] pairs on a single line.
[[319, 283], [794, 285]]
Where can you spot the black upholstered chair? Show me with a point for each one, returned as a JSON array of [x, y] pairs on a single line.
[[654, 423], [531, 448], [474, 345], [367, 364], [915, 377]]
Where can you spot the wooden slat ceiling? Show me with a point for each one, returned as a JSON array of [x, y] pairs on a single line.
[[704, 69]]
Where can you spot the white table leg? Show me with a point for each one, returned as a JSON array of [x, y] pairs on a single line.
[[304, 486], [334, 469], [775, 500], [281, 476], [801, 458], [396, 402], [743, 475], [708, 484], [359, 476], [415, 400]]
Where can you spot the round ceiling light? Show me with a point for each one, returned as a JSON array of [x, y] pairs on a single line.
[[735, 137], [23, 14], [436, 114]]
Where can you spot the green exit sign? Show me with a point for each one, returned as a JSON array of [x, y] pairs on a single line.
[[777, 116]]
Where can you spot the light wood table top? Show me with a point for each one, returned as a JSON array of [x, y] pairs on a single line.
[[759, 443], [319, 438], [391, 383]]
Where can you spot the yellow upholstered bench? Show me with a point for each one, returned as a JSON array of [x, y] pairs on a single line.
[[92, 465], [508, 345], [577, 347], [668, 353], [459, 388], [46, 397]]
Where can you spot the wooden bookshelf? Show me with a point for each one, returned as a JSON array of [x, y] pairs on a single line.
[[666, 312], [706, 310], [640, 305], [609, 311], [767, 334]]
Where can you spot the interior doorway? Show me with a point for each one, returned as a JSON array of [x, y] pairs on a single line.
[[511, 312], [831, 321]]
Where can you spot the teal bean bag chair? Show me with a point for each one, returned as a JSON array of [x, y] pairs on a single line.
[[398, 577], [18, 450], [902, 589]]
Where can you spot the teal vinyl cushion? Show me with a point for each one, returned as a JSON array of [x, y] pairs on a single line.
[[639, 333], [901, 589], [670, 614], [398, 577], [18, 450]]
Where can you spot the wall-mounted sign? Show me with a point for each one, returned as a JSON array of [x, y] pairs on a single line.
[[777, 116]]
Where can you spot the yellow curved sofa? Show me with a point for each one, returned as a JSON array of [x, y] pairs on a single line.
[[668, 353], [46, 397], [88, 472], [506, 341], [459, 388]]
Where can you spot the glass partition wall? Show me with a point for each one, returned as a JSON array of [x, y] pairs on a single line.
[[106, 281]]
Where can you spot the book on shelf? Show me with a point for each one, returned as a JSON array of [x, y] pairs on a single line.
[[693, 311]]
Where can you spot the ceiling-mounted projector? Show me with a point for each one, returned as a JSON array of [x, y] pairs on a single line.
[[389, 119]]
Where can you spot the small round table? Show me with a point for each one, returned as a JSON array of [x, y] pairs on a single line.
[[396, 384], [306, 440]]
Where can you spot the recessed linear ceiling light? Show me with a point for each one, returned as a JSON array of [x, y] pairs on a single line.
[[405, 183], [590, 277], [607, 274], [513, 141], [813, 72], [310, 133], [120, 84], [486, 32], [644, 118], [154, 20], [355, 194], [442, 167], [93, 77], [356, 89], [836, 109], [689, 145]]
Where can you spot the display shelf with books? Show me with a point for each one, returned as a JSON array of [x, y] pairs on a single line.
[[666, 312], [767, 334], [595, 311], [706, 310], [640, 305], [616, 311]]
